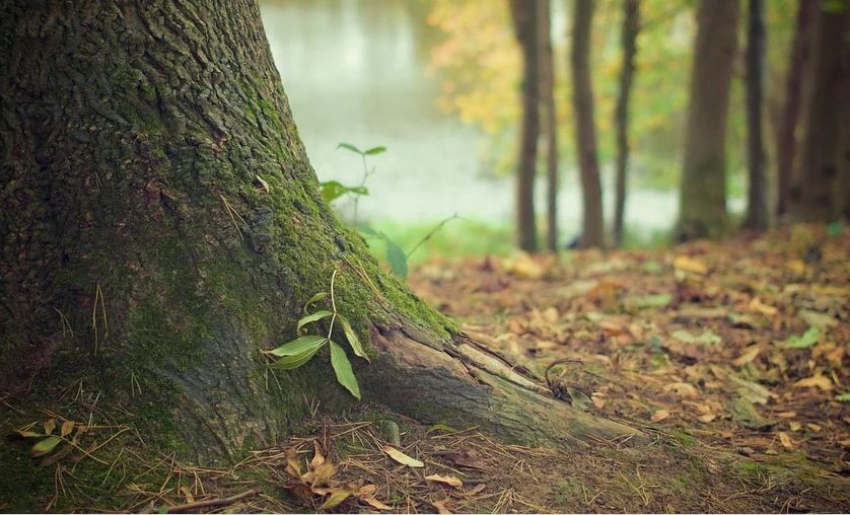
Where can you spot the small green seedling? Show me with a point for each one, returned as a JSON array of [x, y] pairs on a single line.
[[299, 351]]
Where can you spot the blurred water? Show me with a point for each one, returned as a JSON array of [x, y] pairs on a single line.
[[355, 71]]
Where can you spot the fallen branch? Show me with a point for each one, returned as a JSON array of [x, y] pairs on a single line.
[[214, 503]]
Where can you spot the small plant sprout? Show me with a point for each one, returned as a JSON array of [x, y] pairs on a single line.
[[299, 351], [332, 190]]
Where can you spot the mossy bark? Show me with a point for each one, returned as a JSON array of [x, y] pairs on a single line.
[[702, 199], [162, 225]]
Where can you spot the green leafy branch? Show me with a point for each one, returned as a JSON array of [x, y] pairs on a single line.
[[332, 190], [299, 351]]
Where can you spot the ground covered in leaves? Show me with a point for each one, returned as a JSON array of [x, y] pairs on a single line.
[[731, 356]]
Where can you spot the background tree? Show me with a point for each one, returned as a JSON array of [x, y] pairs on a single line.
[[162, 225], [702, 200], [757, 205], [786, 146], [524, 14], [593, 233], [550, 122], [821, 141], [628, 40]]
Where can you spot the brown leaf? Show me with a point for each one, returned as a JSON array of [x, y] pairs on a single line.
[[660, 415], [749, 354], [334, 500], [449, 480], [378, 505], [67, 427], [682, 390], [401, 457], [816, 381], [689, 264], [786, 440], [318, 459], [49, 426], [441, 507]]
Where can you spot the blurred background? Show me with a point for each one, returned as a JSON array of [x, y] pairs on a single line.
[[438, 83]]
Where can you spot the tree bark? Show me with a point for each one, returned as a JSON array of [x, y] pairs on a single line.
[[593, 232], [524, 13], [162, 225], [550, 122], [630, 28], [702, 201], [821, 145], [786, 144], [757, 209]]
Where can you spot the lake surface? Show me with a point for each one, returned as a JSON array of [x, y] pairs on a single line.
[[356, 71]]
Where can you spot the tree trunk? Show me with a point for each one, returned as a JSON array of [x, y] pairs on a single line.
[[631, 26], [593, 233], [550, 122], [786, 144], [162, 224], [524, 13], [820, 148], [842, 191], [702, 201], [757, 210]]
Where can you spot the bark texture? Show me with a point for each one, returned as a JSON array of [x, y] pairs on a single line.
[[593, 232], [525, 13], [550, 122], [162, 225], [786, 146], [821, 141], [702, 201], [628, 40], [757, 217]]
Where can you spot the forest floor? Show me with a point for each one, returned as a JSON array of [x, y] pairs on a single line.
[[732, 356]]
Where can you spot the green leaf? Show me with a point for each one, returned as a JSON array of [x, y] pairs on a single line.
[[45, 446], [356, 346], [295, 361], [370, 232], [313, 317], [834, 229], [299, 346], [332, 190], [843, 397], [375, 151], [29, 434], [342, 368], [349, 146], [706, 338], [804, 341], [650, 301], [441, 427], [397, 258], [316, 298], [358, 190]]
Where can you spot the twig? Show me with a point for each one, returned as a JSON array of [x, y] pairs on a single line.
[[214, 503]]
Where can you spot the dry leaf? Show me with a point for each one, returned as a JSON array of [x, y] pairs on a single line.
[[816, 381], [814, 427], [336, 497], [786, 440], [401, 457], [747, 356], [378, 505], [188, 494], [708, 417], [764, 309], [441, 507], [682, 389], [689, 264], [787, 414], [845, 443], [449, 480], [318, 459], [598, 400], [67, 427], [660, 415], [49, 426], [478, 489]]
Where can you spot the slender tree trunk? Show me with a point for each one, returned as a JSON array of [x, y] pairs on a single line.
[[550, 122], [757, 209], [842, 191], [593, 232], [631, 26], [702, 202], [820, 147], [162, 225], [787, 138], [524, 13]]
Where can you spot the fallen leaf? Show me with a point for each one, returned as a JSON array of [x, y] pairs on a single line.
[[845, 443], [49, 426], [598, 400], [816, 381], [441, 507], [660, 415], [371, 501], [764, 309], [749, 354], [67, 427], [474, 491], [45, 446], [786, 440], [787, 414], [814, 427], [682, 389], [187, 493], [745, 414], [803, 341], [794, 426], [318, 459], [753, 392], [449, 480], [335, 499], [401, 457], [708, 417], [817, 319], [689, 264]]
